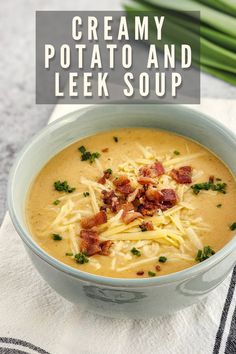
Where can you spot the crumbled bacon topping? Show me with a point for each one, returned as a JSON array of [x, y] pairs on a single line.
[[183, 175], [123, 185], [111, 200], [90, 244], [95, 220], [105, 150], [146, 226], [146, 180], [105, 247], [106, 175], [154, 170], [130, 216]]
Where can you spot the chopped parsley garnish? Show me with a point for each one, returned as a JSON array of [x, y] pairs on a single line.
[[81, 258], [219, 187], [87, 155], [56, 202], [56, 237], [176, 152], [109, 170], [115, 138], [151, 274], [219, 205], [162, 259], [86, 194], [204, 254], [63, 187], [69, 254], [135, 252], [233, 226]]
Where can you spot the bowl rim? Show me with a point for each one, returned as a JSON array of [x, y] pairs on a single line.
[[99, 279]]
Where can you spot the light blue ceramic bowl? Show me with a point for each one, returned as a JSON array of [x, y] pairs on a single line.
[[124, 298]]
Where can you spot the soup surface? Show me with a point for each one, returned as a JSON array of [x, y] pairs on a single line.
[[132, 203]]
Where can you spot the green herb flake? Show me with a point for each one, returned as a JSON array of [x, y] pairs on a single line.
[[82, 149], [218, 187], [108, 170], [135, 252], [219, 205], [176, 152], [115, 138], [56, 202], [162, 259], [87, 155], [86, 194], [151, 274], [81, 258], [233, 226], [63, 187], [69, 254], [204, 254], [56, 237]]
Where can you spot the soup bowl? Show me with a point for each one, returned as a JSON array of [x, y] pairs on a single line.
[[123, 298]]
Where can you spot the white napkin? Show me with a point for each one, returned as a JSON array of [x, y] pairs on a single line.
[[34, 319]]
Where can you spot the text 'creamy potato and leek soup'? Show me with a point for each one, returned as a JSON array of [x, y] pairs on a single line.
[[133, 203]]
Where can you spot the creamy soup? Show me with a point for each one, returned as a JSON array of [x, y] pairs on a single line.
[[132, 203]]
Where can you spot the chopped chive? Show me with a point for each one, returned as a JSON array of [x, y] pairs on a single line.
[[233, 226], [63, 187], [86, 194], [82, 149], [56, 237], [135, 252], [219, 205], [69, 254], [162, 259], [176, 152], [115, 138], [151, 274], [87, 155], [108, 170], [219, 187], [204, 254], [81, 258], [56, 202]]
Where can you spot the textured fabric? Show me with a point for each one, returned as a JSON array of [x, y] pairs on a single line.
[[35, 319]]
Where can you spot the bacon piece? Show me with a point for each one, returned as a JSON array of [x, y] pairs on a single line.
[[105, 150], [106, 175], [146, 226], [211, 179], [147, 208], [95, 220], [169, 197], [90, 242], [105, 247], [158, 169], [102, 180], [183, 175], [153, 195], [130, 216], [146, 180], [154, 170], [133, 195], [112, 200], [123, 185]]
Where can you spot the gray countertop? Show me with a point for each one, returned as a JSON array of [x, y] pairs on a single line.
[[20, 117]]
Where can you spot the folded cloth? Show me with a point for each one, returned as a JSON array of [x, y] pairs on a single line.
[[34, 319]]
